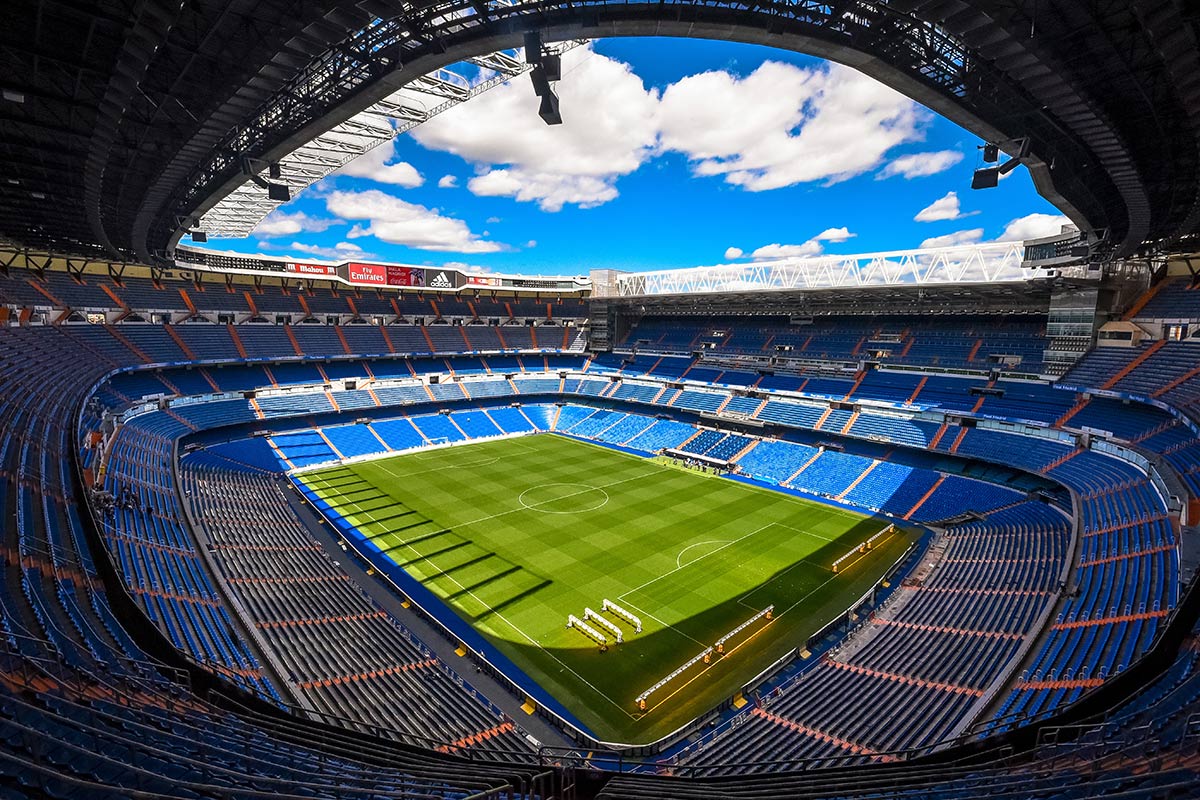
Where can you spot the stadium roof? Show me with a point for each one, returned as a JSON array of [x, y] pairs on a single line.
[[120, 123]]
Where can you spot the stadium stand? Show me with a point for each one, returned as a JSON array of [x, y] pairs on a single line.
[[176, 621], [940, 645], [343, 655]]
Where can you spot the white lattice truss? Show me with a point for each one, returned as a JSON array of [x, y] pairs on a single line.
[[978, 263], [240, 212]]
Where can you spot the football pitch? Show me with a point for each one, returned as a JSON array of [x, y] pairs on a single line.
[[516, 534]]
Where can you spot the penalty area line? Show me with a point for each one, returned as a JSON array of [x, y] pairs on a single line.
[[729, 543]]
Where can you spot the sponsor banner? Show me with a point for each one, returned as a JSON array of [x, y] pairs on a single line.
[[311, 269], [370, 274], [442, 278], [482, 280], [405, 276]]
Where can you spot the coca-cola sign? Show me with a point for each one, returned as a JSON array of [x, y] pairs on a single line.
[[405, 276]]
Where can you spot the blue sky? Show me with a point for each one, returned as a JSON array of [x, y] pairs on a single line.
[[673, 153]]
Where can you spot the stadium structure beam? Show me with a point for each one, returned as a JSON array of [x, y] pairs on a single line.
[[997, 262], [241, 211]]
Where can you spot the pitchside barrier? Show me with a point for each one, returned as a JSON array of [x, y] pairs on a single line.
[[869, 544]]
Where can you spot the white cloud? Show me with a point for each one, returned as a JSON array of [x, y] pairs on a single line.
[[1033, 226], [279, 223], [919, 165], [447, 181], [835, 235], [338, 251], [550, 191], [531, 244], [398, 222], [463, 266], [609, 130], [813, 247], [374, 166], [772, 251], [835, 123], [944, 208], [972, 236], [1030, 226], [782, 125]]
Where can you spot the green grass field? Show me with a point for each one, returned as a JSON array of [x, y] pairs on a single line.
[[516, 534]]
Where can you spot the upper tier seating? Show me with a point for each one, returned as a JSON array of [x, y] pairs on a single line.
[[93, 292], [1175, 298], [972, 343]]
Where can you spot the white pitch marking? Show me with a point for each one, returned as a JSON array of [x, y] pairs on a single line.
[[589, 488], [679, 558]]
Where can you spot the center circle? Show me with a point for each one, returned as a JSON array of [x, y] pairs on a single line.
[[563, 498]]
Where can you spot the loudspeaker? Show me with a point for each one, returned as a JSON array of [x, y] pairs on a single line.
[[986, 178], [549, 110]]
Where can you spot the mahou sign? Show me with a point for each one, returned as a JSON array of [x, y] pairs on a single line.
[[311, 269]]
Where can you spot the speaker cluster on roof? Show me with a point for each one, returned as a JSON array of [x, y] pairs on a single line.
[[547, 69]]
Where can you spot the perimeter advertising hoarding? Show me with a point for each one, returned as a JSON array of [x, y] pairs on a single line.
[[536, 283], [443, 278], [311, 269], [405, 276], [391, 275], [368, 274]]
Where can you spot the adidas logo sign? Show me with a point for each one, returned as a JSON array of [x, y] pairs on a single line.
[[440, 281]]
